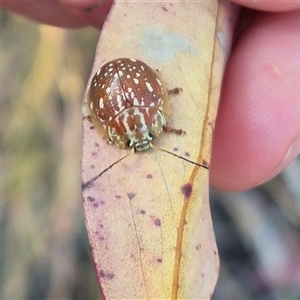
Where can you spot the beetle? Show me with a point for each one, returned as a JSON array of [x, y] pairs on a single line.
[[128, 102]]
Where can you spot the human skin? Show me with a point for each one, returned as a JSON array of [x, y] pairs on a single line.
[[257, 131]]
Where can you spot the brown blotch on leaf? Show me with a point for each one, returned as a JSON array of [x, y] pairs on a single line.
[[187, 190], [164, 9], [187, 154], [91, 199], [198, 247], [131, 195], [159, 260], [92, 127], [175, 149], [102, 273], [142, 212], [96, 145], [106, 275], [149, 176], [96, 205], [118, 196], [110, 275], [157, 222]]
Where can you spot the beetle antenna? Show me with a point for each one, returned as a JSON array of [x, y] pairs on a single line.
[[179, 156], [174, 130]]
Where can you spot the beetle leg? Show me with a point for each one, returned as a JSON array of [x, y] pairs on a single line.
[[175, 91], [89, 118], [177, 131]]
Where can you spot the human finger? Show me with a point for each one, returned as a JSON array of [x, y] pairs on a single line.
[[258, 126]]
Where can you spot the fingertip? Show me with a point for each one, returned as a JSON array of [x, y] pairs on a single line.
[[274, 6], [258, 125], [93, 12], [47, 12]]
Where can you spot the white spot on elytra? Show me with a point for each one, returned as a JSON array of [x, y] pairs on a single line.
[[108, 90], [136, 81], [119, 101], [149, 86], [158, 81], [120, 73], [101, 104], [135, 101]]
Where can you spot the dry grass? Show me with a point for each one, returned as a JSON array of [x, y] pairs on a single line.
[[44, 250]]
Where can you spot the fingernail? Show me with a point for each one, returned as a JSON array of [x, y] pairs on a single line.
[[93, 11], [292, 152], [86, 5]]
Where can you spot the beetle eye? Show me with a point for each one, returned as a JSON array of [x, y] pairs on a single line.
[[128, 142], [151, 135]]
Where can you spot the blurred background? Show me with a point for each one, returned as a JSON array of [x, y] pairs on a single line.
[[44, 250]]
